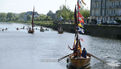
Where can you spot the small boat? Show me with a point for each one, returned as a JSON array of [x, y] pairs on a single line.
[[31, 30], [23, 27], [47, 29], [6, 28], [2, 29], [79, 62], [17, 28], [78, 59], [41, 29], [60, 30]]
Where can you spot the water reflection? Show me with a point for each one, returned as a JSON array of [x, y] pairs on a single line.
[[71, 67]]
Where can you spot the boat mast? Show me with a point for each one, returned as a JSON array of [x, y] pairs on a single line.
[[76, 16], [77, 21], [33, 19], [76, 26]]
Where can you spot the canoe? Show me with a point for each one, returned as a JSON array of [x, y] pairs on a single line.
[[79, 62]]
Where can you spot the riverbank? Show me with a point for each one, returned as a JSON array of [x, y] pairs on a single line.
[[110, 31]]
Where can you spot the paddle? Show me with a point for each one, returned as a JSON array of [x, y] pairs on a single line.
[[63, 57], [97, 58]]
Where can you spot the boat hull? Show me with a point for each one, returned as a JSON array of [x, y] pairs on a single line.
[[78, 62], [31, 31], [60, 32], [41, 30]]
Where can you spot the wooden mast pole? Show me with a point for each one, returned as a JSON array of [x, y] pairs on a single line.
[[33, 19]]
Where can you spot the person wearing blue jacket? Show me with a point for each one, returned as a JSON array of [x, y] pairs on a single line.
[[84, 53]]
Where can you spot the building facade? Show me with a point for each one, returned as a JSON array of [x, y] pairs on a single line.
[[106, 11]]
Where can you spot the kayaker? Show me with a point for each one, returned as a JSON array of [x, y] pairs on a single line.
[[84, 53]]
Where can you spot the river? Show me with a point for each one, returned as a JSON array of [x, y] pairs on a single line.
[[20, 50]]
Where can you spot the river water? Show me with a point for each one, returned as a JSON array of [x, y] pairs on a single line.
[[20, 50]]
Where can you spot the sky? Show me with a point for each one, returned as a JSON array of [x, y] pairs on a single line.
[[41, 6]]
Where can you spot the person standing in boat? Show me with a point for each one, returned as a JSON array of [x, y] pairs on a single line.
[[79, 49], [84, 53], [76, 49]]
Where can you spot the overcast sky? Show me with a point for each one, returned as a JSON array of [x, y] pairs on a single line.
[[41, 6]]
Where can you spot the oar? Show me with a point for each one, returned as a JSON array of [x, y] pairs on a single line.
[[97, 58], [63, 57]]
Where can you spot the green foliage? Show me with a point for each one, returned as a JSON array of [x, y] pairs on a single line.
[[21, 16], [10, 17], [51, 15], [43, 17], [3, 17], [65, 12], [85, 13], [28, 17]]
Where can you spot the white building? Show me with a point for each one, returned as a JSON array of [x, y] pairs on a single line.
[[105, 10]]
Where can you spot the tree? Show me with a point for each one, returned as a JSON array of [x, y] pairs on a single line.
[[85, 13], [3, 17], [21, 16], [65, 12], [48, 18], [28, 17], [10, 17], [51, 15]]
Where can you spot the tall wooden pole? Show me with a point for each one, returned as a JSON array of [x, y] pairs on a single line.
[[33, 19]]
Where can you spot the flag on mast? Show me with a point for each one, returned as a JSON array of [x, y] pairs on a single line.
[[80, 17]]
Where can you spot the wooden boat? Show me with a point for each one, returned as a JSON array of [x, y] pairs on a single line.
[[47, 29], [79, 59], [17, 28], [41, 29], [60, 30], [79, 62], [31, 30]]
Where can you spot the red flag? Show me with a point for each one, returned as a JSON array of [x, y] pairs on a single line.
[[79, 15], [78, 4]]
